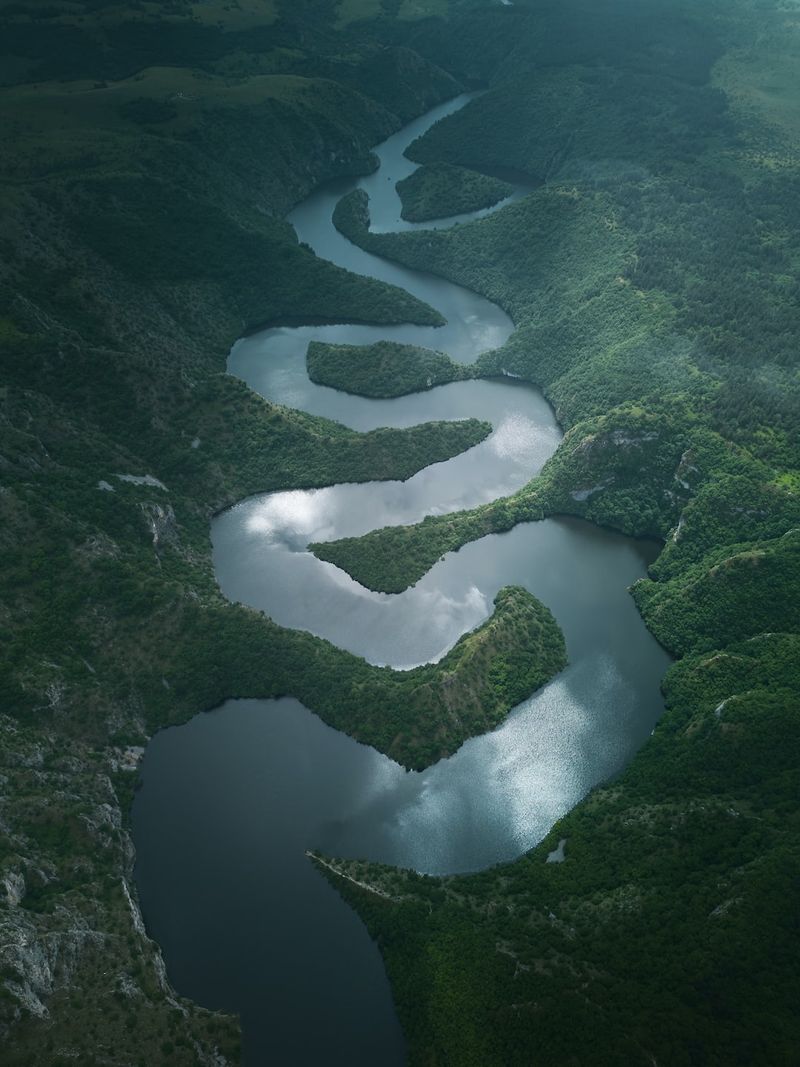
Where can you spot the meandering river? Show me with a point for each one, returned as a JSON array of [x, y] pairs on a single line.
[[232, 800]]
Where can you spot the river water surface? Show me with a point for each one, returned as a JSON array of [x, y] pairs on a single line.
[[232, 800]]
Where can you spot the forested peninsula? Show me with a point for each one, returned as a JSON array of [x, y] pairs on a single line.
[[384, 369], [438, 190], [150, 154]]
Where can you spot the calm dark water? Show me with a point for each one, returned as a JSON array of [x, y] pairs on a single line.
[[232, 800], [228, 807]]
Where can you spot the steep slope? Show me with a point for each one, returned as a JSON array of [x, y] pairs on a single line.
[[652, 283]]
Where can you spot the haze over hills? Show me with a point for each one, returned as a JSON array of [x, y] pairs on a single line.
[[150, 154]]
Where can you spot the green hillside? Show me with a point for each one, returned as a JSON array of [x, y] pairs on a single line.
[[149, 155]]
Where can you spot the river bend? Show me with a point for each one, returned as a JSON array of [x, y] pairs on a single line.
[[232, 800]]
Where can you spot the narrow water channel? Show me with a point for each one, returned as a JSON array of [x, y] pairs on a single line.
[[232, 800]]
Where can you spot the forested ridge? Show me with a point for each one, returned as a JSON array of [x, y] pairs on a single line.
[[149, 156], [652, 279], [383, 369]]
